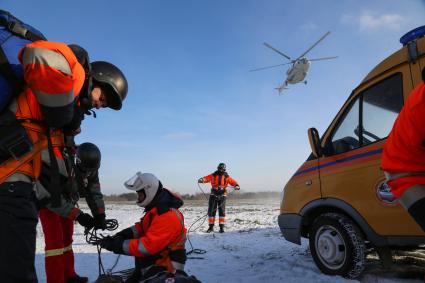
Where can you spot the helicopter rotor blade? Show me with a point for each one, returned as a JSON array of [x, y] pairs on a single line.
[[277, 51], [314, 45], [323, 58], [268, 67]]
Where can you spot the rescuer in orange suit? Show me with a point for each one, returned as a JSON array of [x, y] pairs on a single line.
[[403, 158], [56, 95], [158, 241], [219, 181]]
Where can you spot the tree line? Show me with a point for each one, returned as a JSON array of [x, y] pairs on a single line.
[[199, 196]]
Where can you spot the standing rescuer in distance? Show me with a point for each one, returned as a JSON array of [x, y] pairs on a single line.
[[219, 181]]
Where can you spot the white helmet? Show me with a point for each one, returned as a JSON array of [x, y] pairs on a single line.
[[147, 182]]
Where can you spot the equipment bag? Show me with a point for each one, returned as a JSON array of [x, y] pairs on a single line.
[[14, 35]]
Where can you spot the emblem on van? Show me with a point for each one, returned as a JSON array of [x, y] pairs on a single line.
[[384, 194]]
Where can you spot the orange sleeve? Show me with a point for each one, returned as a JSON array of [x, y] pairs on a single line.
[[208, 179], [232, 181], [164, 229]]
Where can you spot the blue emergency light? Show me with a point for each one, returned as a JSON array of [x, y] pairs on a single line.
[[412, 35]]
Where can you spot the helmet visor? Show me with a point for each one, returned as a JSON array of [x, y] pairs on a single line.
[[134, 183]]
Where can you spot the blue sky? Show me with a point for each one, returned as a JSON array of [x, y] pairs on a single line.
[[192, 102]]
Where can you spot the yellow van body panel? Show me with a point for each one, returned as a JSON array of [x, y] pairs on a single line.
[[301, 189]]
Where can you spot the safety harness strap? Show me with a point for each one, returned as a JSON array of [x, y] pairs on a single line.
[[13, 165]]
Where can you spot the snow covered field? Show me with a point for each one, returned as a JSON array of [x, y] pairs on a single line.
[[251, 250]]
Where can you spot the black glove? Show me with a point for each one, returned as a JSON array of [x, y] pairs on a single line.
[[237, 187], [125, 234], [113, 244], [99, 221], [85, 220], [200, 180]]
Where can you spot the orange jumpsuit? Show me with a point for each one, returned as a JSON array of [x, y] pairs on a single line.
[[158, 240], [219, 182]]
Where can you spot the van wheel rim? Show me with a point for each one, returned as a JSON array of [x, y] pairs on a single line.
[[330, 247]]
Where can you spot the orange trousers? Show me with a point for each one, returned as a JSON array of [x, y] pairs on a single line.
[[59, 257]]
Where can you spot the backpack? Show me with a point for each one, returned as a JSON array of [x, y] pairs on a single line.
[[14, 35]]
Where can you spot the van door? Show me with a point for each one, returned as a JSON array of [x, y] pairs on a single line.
[[350, 170]]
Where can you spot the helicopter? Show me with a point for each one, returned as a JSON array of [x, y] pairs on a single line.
[[300, 66]]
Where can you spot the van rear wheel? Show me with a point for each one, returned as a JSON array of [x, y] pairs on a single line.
[[337, 245]]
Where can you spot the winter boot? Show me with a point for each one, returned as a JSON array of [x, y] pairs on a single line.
[[210, 228], [77, 279], [221, 228]]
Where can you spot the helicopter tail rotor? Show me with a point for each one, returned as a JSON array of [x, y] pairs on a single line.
[[282, 87]]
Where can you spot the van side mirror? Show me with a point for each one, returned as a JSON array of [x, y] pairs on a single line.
[[313, 137]]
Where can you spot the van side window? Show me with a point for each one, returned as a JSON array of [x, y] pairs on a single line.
[[381, 104], [370, 117], [345, 137]]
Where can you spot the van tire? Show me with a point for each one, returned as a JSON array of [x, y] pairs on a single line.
[[337, 245]]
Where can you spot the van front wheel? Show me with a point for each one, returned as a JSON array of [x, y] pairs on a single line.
[[337, 245]]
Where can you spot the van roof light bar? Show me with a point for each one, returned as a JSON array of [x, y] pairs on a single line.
[[412, 35]]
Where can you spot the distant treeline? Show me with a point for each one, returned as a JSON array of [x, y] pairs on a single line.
[[198, 196]]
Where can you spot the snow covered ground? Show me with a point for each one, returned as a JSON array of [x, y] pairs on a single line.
[[251, 250]]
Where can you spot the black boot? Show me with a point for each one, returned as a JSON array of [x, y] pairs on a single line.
[[210, 228], [221, 228], [77, 279]]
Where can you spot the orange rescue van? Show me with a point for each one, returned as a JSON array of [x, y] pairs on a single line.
[[338, 198]]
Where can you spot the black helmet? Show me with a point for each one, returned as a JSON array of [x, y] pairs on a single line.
[[221, 167], [112, 80], [88, 157]]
